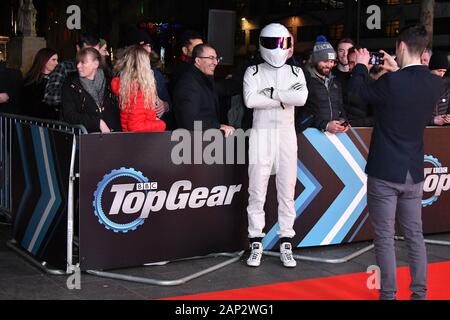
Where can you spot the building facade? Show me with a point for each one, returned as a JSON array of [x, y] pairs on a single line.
[[337, 19]]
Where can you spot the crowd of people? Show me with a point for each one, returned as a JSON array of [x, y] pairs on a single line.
[[133, 94], [277, 96]]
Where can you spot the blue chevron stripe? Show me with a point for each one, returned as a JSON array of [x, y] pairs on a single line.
[[358, 211], [340, 236], [43, 199], [350, 146], [360, 140], [26, 173], [58, 198], [42, 211], [312, 188], [359, 228], [345, 173], [58, 219]]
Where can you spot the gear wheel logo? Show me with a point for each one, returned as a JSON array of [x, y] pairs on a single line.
[[98, 195], [435, 163]]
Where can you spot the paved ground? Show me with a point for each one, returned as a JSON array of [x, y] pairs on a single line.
[[20, 280]]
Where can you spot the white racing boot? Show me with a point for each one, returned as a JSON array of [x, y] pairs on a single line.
[[286, 255], [255, 255]]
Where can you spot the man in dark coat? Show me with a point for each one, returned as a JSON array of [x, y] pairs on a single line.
[[325, 102], [439, 65], [359, 112], [11, 85], [404, 100], [195, 98], [189, 40]]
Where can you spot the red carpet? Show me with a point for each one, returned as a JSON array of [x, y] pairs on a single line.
[[345, 287]]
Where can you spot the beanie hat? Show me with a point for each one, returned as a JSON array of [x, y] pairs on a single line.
[[439, 60], [322, 51], [102, 42]]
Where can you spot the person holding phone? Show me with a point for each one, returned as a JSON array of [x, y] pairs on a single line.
[[325, 100], [404, 100], [439, 65]]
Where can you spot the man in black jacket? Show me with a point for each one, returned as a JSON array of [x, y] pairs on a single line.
[[195, 98], [404, 101], [11, 85], [439, 65], [189, 40], [342, 69], [359, 112], [324, 102]]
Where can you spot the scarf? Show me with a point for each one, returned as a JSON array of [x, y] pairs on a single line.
[[96, 87], [185, 58]]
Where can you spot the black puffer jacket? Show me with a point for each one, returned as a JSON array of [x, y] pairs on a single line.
[[443, 105], [359, 113], [34, 106], [11, 82], [80, 108], [324, 103]]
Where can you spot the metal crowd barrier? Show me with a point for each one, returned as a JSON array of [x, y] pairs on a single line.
[[7, 123]]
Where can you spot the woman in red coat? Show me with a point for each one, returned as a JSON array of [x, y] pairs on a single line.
[[136, 89]]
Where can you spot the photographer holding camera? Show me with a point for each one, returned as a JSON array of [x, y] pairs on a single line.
[[404, 100]]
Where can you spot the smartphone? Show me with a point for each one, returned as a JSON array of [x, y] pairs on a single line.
[[376, 58], [346, 123]]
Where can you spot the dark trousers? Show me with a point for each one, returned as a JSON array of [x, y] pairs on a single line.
[[386, 201]]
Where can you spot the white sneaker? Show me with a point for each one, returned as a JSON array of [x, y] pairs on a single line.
[[286, 255], [255, 255]]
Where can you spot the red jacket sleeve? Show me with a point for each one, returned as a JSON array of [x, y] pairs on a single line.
[[115, 86]]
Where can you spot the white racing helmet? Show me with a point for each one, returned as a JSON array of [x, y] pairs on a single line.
[[274, 44]]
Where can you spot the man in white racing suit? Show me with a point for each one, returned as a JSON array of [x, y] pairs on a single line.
[[273, 90]]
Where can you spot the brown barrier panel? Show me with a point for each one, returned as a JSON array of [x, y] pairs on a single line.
[[201, 209], [209, 219]]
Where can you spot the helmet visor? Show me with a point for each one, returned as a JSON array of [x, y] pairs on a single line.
[[275, 43]]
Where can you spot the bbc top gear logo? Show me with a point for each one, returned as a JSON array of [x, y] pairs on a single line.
[[437, 180], [99, 206], [126, 195]]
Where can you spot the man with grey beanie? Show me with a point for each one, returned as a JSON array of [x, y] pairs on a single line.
[[439, 66], [324, 103]]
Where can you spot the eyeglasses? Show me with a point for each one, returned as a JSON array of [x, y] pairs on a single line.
[[218, 59], [276, 42]]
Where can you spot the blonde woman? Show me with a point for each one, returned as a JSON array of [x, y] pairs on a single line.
[[136, 89]]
